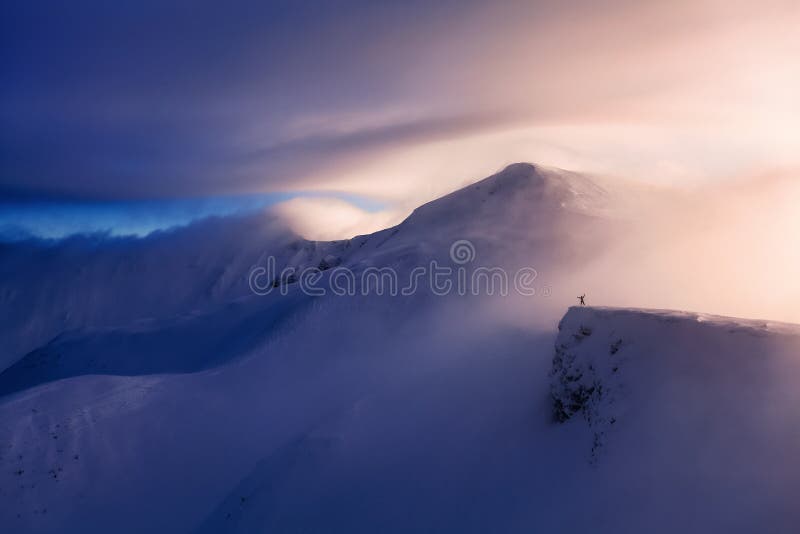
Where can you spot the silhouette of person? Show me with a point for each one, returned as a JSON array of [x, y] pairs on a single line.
[[581, 298]]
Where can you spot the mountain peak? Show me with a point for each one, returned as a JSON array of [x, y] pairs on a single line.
[[514, 175], [521, 167], [519, 187]]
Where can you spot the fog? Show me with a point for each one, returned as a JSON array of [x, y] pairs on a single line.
[[725, 249], [181, 394], [729, 247]]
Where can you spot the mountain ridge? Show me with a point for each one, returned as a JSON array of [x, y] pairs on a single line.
[[521, 215]]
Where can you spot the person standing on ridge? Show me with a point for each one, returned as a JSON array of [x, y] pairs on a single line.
[[581, 298]]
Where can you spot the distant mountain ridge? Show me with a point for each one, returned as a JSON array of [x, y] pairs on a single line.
[[159, 394], [519, 183], [522, 214]]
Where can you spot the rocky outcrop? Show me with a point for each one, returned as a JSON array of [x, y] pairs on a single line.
[[585, 378]]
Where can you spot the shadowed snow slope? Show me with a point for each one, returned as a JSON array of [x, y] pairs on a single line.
[[522, 215], [446, 422], [148, 391], [674, 422], [695, 415]]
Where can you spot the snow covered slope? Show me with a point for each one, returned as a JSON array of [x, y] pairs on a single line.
[[49, 287], [148, 391], [446, 422], [523, 215], [693, 417], [663, 422], [657, 421]]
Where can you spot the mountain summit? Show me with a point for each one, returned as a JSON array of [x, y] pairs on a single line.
[[150, 389], [520, 186], [523, 215]]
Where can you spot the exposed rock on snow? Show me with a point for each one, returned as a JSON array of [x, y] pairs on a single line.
[[611, 362]]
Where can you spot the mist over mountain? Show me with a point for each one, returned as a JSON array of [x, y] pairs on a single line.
[[523, 214], [148, 385], [452, 267]]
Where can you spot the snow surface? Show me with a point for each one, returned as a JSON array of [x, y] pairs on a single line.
[[523, 215], [146, 391]]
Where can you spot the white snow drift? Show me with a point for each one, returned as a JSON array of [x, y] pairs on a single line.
[[146, 389]]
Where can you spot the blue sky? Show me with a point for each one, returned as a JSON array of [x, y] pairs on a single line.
[[53, 219]]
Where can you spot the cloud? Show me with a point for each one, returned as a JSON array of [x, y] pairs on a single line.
[[329, 219], [165, 99]]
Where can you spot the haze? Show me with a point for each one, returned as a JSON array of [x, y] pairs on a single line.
[[348, 116]]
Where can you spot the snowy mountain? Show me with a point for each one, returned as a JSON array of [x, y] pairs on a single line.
[[146, 388], [661, 420], [51, 287]]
